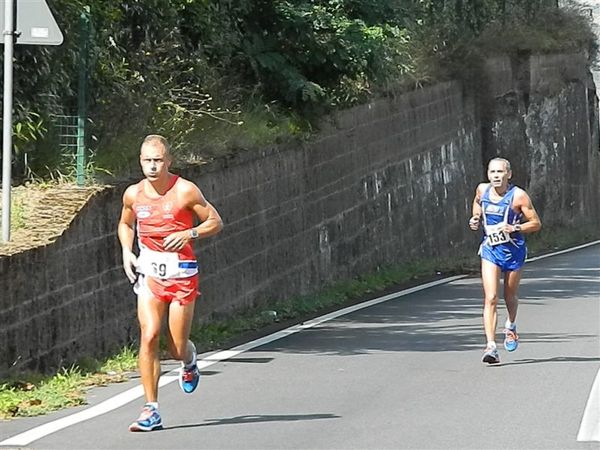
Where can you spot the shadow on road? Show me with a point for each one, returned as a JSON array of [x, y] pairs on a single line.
[[256, 419], [559, 359], [447, 317]]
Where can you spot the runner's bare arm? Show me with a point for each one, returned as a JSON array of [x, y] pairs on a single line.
[[476, 209], [126, 233], [522, 202], [210, 220]]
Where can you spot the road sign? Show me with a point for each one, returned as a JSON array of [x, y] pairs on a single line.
[[35, 24]]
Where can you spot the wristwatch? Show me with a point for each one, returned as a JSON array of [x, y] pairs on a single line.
[[193, 233], [517, 228]]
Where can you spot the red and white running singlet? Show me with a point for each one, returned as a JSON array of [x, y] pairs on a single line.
[[168, 275]]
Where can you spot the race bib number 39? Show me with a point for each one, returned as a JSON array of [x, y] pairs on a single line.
[[159, 264]]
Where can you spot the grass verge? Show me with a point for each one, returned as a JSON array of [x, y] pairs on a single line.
[[18, 211], [551, 239], [32, 394], [279, 313]]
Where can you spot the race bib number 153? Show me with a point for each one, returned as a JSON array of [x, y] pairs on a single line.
[[496, 236]]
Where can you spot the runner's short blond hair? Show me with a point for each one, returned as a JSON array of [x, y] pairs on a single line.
[[157, 139]]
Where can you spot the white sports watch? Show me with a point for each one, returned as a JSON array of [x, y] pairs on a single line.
[[193, 233]]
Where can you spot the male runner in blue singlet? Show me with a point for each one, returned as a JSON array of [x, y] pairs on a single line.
[[506, 213]]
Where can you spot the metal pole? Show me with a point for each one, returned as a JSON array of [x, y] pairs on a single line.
[[81, 97], [8, 33]]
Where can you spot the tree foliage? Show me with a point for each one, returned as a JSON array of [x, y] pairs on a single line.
[[162, 65]]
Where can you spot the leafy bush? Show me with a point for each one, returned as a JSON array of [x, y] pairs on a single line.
[[185, 67], [549, 30], [316, 53]]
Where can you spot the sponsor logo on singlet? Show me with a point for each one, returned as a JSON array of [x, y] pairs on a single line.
[[494, 210], [143, 211], [167, 207]]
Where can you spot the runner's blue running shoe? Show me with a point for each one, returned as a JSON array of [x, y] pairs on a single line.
[[491, 356], [511, 339], [189, 378], [149, 420]]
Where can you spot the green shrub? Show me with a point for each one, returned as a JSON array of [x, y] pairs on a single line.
[[182, 67]]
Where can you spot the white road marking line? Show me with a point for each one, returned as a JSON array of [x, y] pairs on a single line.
[[560, 252], [590, 422], [589, 430], [128, 396]]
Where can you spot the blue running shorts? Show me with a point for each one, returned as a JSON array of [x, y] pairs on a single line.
[[508, 257]]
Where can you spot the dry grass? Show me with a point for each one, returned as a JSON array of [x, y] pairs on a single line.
[[40, 214]]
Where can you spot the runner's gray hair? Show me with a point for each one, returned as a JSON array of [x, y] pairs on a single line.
[[504, 160]]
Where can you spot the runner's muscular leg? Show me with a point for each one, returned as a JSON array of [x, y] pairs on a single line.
[[150, 315], [511, 290], [180, 325], [490, 276]]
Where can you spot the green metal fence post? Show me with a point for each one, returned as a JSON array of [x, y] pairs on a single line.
[[84, 27]]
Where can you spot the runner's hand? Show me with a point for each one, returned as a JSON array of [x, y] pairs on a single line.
[[130, 265], [474, 222], [176, 241]]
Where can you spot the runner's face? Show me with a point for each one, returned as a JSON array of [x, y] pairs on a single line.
[[154, 160], [498, 175]]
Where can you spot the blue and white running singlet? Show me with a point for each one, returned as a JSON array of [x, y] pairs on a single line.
[[507, 251]]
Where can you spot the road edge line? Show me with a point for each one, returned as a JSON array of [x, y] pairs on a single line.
[[136, 392], [589, 430], [561, 252], [128, 396]]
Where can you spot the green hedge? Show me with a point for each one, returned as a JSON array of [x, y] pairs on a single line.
[[179, 66]]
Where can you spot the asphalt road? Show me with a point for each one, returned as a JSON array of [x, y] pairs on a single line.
[[401, 374]]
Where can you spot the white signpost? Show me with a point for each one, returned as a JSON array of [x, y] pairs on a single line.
[[35, 25]]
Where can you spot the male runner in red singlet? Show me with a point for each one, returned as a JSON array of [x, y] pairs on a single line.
[[163, 207], [506, 213]]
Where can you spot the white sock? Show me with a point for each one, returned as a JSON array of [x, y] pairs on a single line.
[[510, 325], [491, 345], [192, 363], [153, 404]]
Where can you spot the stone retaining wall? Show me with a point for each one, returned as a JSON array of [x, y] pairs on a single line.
[[383, 183]]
